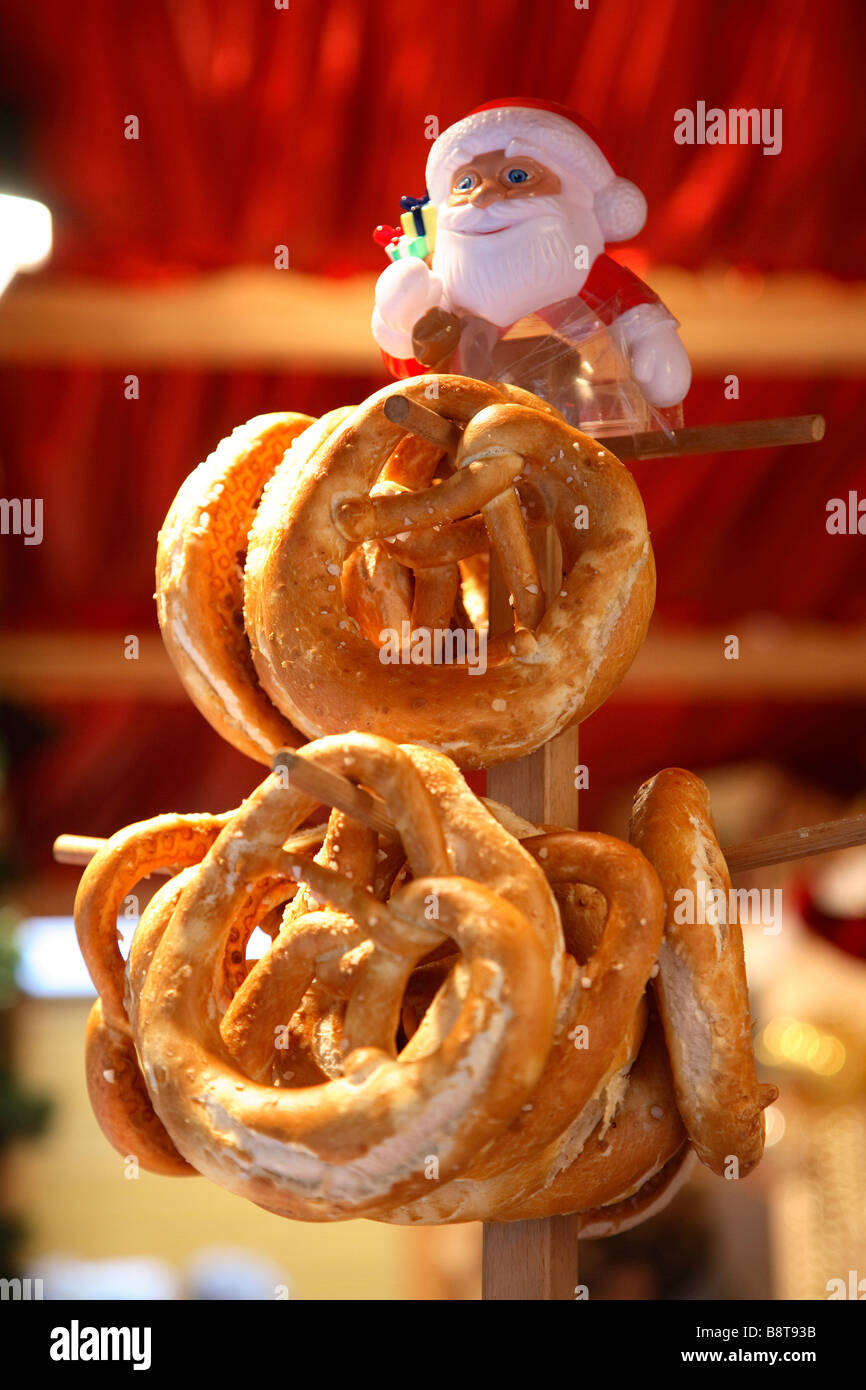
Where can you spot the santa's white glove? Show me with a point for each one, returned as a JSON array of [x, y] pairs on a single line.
[[659, 363], [405, 290]]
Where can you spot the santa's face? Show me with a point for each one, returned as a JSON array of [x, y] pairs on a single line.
[[511, 240]]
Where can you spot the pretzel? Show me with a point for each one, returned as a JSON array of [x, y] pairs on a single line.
[[701, 985], [616, 1180], [114, 1081], [354, 1145], [382, 1003], [544, 1150], [569, 649], [199, 577], [627, 1139]]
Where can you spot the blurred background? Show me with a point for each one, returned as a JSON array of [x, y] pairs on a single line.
[[159, 321]]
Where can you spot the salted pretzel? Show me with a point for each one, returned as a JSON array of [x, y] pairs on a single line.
[[568, 649], [701, 986], [351, 1145], [604, 1081], [380, 1002], [199, 577], [619, 1179], [115, 1084]]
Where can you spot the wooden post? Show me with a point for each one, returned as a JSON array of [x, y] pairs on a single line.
[[534, 1260]]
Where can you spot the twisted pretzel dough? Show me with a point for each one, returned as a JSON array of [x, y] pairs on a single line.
[[114, 1081], [199, 577], [431, 1009], [547, 1163], [701, 986], [569, 649], [344, 1147]]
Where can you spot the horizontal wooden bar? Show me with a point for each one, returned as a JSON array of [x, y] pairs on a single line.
[[787, 845], [334, 790], [805, 324], [720, 438], [777, 660]]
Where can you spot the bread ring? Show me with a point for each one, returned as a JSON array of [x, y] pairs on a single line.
[[199, 579], [599, 1031], [534, 1077], [701, 985], [114, 1081], [650, 1199], [349, 1146], [631, 1145], [128, 857], [119, 1100], [326, 676]]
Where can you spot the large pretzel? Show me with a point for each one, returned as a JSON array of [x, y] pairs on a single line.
[[199, 577], [618, 1177], [568, 649], [114, 1081], [351, 1145], [589, 1135], [590, 1122], [701, 985]]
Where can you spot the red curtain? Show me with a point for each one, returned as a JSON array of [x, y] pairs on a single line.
[[260, 126]]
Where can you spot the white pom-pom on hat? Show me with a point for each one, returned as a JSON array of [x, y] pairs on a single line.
[[620, 208], [568, 144]]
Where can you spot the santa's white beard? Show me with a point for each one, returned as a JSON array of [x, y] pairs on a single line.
[[502, 277]]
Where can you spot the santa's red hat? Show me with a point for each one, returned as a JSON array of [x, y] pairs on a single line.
[[552, 134]]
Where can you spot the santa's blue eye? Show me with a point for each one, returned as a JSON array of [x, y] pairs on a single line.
[[463, 185], [517, 175]]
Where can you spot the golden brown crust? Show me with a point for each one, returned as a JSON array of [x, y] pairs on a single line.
[[447, 1053], [651, 1198], [327, 676], [320, 1152], [199, 583], [121, 1103], [701, 985]]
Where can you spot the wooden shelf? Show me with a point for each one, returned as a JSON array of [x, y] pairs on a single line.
[[257, 316], [777, 661]]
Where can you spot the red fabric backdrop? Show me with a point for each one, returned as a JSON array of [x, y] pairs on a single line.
[[305, 125], [261, 126]]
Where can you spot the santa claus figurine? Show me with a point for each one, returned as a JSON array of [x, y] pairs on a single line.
[[518, 286]]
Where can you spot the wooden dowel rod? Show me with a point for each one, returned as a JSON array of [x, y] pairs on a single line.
[[797, 844], [426, 424], [76, 849], [802, 843], [333, 790], [655, 444], [718, 439], [80, 849]]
